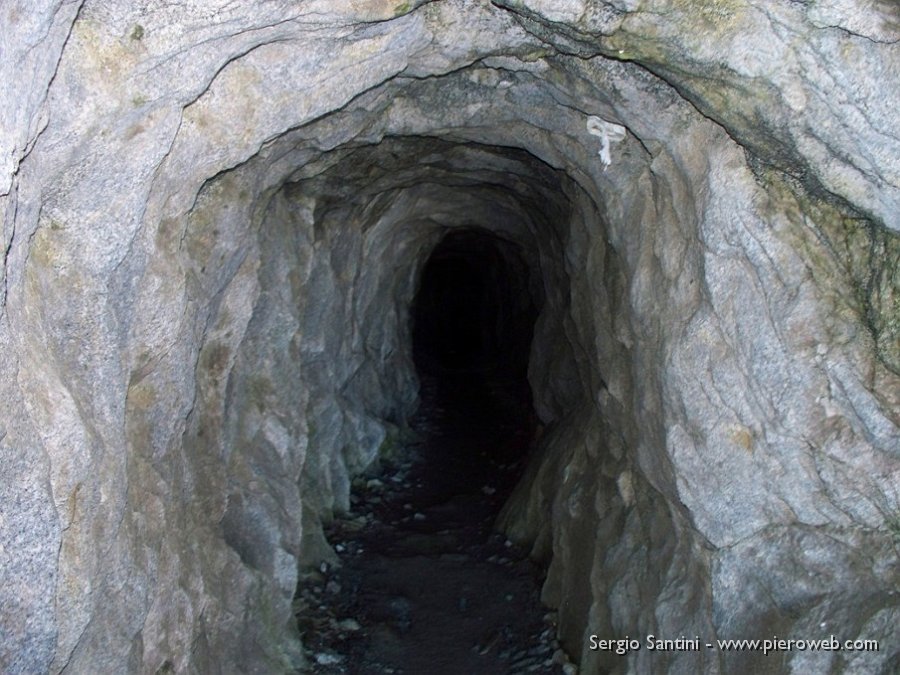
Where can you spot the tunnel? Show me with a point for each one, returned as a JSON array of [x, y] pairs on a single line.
[[420, 564], [472, 325], [270, 270], [454, 246], [473, 310]]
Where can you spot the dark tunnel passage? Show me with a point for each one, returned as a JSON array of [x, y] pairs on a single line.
[[473, 320], [473, 313], [460, 287], [340, 336], [420, 559]]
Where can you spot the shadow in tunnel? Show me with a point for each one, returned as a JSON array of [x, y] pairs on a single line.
[[473, 314], [473, 320], [424, 585]]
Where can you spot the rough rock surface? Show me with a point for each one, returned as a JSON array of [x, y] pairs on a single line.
[[214, 215]]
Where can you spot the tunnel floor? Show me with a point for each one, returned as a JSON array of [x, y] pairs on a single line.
[[423, 584]]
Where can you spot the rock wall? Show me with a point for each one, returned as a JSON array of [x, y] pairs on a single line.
[[214, 219]]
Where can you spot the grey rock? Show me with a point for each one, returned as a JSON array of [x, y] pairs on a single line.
[[214, 217]]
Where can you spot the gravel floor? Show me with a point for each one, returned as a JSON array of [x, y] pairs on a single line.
[[423, 584]]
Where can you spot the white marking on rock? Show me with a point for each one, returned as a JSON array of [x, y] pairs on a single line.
[[608, 133]]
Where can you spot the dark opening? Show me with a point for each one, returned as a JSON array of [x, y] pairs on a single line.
[[473, 320], [473, 315]]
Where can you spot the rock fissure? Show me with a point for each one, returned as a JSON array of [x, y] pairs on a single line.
[[869, 38]]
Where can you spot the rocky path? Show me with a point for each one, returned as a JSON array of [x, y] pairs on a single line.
[[424, 586]]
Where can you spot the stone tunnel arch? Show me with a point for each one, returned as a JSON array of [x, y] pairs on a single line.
[[191, 337]]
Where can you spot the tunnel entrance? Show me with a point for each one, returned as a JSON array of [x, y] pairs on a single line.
[[421, 567]]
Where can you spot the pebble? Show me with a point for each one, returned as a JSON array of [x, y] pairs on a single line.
[[419, 517], [559, 656], [349, 624], [324, 659], [521, 662]]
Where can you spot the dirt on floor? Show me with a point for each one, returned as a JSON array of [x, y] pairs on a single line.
[[424, 585]]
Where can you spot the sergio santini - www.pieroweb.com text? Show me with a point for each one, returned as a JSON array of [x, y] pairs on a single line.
[[624, 645]]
